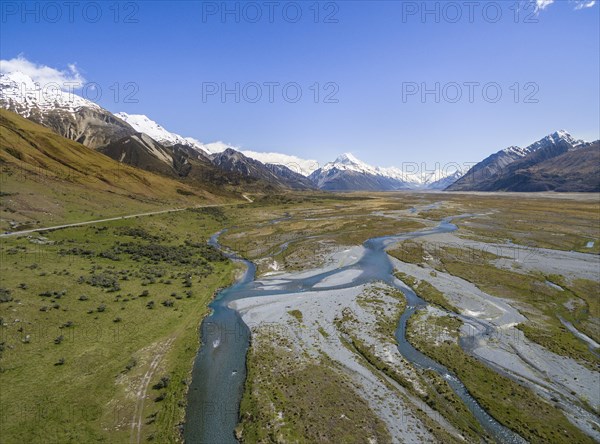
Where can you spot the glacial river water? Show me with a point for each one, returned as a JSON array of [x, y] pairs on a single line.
[[220, 367]]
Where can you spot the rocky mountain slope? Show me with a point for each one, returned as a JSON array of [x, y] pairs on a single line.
[[66, 113], [530, 168], [44, 173], [572, 171], [233, 161]]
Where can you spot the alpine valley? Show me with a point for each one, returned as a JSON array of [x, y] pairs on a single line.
[[356, 294], [308, 222]]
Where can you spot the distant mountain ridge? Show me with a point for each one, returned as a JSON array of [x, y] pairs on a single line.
[[365, 177], [522, 169], [347, 173], [137, 140], [144, 124], [236, 162]]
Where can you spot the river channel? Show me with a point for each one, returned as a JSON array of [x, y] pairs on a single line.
[[220, 367]]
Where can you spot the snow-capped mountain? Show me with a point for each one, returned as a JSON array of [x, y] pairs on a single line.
[[64, 112], [236, 162], [144, 124], [147, 126], [347, 162], [556, 138], [349, 173], [294, 163], [498, 170], [19, 93]]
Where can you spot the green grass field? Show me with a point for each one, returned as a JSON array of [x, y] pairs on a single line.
[[93, 316]]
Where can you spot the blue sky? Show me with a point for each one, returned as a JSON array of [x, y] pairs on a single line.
[[374, 52]]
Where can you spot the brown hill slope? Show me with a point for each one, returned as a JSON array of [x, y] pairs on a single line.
[[50, 179]]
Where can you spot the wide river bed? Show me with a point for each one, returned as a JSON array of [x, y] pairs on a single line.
[[220, 366]]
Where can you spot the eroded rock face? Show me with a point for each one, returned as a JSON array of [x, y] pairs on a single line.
[[90, 127]]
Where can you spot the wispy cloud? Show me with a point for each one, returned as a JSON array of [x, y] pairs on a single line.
[[540, 5], [582, 4], [42, 74]]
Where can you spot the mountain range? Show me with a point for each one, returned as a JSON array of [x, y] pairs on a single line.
[[556, 162], [346, 173], [140, 142]]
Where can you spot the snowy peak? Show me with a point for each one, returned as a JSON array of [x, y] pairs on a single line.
[[348, 162], [565, 136], [145, 125], [348, 158], [19, 93], [556, 138], [391, 177]]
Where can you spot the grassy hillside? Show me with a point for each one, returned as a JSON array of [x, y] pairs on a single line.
[[99, 327], [47, 179]]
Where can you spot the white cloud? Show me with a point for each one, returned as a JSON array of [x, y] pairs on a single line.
[[42, 74], [581, 4], [542, 4]]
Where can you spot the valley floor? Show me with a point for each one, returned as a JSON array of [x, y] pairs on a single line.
[[99, 322], [518, 335]]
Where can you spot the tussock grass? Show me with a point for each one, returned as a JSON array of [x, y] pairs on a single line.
[[98, 326]]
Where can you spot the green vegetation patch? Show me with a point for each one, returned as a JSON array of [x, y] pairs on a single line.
[[558, 222], [426, 291], [513, 405], [297, 314], [408, 251], [290, 400]]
